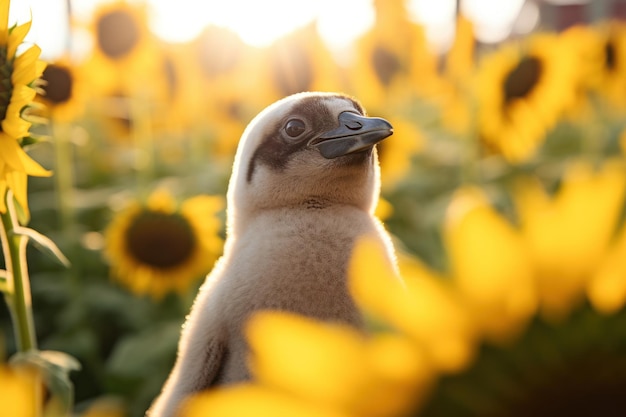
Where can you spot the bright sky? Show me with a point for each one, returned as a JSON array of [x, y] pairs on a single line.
[[260, 22]]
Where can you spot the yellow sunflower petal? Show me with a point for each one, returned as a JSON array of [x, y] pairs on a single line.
[[299, 355], [16, 37], [18, 182], [251, 400], [3, 191], [565, 245], [4, 22], [203, 205], [490, 265], [384, 209], [336, 367], [161, 200], [17, 396], [396, 153], [401, 378], [607, 288], [14, 157], [13, 125], [425, 308], [26, 67]]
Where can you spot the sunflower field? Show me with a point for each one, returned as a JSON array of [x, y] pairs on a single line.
[[503, 186]]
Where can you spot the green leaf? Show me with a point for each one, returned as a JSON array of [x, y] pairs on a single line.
[[55, 368], [43, 243], [138, 355]]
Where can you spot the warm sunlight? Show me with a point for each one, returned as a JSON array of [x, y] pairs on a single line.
[[261, 22]]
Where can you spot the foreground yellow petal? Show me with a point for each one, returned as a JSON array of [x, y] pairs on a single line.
[[425, 308], [490, 265], [401, 378], [336, 367], [297, 354], [607, 288], [17, 392], [251, 400], [569, 233]]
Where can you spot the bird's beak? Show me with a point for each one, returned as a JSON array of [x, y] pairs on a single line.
[[355, 133]]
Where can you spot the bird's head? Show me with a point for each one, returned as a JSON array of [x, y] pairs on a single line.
[[307, 149]]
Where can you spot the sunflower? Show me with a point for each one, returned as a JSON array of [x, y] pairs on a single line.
[[460, 62], [460, 59], [218, 64], [481, 343], [18, 75], [159, 247], [300, 61], [612, 83], [124, 49], [392, 61], [522, 89], [173, 103], [214, 88], [63, 90]]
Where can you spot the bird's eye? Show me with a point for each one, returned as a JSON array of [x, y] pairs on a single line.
[[294, 127]]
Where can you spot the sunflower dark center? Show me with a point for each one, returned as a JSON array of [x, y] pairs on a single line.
[[118, 34], [610, 56], [386, 65], [292, 70], [6, 86], [160, 240], [58, 85], [522, 79], [575, 369]]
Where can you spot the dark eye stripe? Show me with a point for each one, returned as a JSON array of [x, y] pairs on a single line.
[[275, 152]]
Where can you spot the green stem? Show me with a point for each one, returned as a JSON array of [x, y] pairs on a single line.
[[64, 177], [143, 140], [19, 298]]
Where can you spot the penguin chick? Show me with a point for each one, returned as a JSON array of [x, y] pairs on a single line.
[[304, 186]]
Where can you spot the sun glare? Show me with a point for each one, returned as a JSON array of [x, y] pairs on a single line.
[[438, 18], [494, 19], [259, 23]]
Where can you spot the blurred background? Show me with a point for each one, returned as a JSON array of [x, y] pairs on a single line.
[[146, 101]]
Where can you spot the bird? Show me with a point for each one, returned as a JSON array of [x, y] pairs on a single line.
[[303, 190]]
